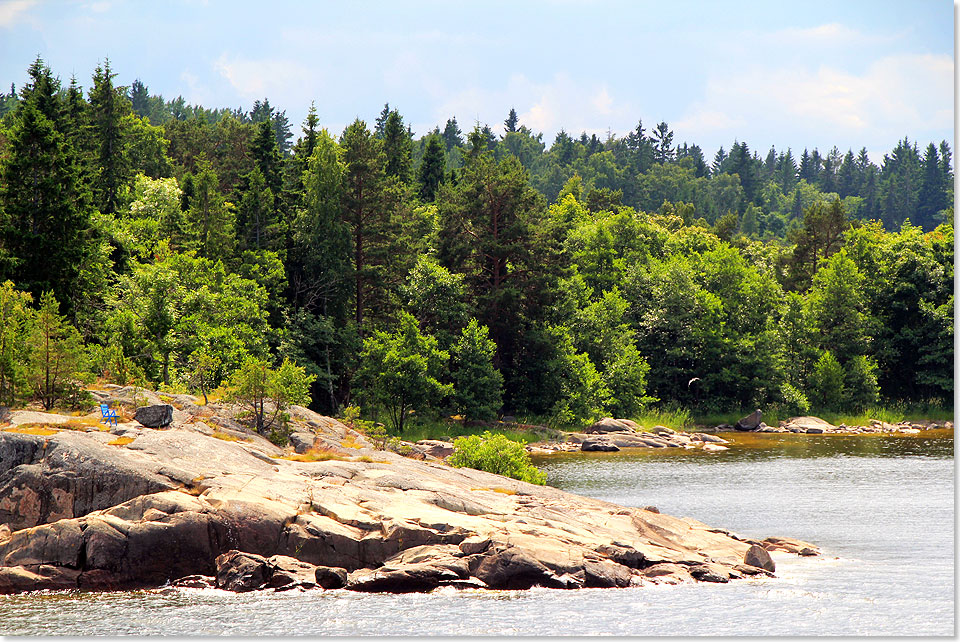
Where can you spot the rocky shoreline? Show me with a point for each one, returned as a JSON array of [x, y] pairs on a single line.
[[610, 435], [201, 501]]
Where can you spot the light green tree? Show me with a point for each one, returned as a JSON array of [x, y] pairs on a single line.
[[56, 353], [400, 371], [266, 393], [15, 317]]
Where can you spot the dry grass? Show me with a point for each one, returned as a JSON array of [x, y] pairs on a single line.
[[121, 441], [315, 454], [43, 430], [350, 442], [502, 491], [225, 436]]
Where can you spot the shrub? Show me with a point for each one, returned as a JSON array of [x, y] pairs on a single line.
[[495, 454]]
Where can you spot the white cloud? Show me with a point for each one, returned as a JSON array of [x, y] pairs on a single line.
[[100, 7], [14, 10], [894, 95], [541, 106], [829, 34], [259, 78]]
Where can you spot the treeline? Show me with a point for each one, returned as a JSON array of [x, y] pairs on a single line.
[[478, 277]]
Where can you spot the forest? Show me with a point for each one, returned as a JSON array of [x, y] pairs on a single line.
[[150, 241]]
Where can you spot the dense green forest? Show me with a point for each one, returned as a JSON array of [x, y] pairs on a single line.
[[149, 240]]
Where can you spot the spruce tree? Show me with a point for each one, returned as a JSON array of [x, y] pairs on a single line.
[[510, 124], [46, 213], [431, 170], [109, 105], [397, 148]]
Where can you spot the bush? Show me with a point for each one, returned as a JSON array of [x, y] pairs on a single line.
[[495, 454]]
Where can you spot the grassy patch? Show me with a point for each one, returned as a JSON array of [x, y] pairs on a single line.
[[43, 430], [225, 436], [121, 441], [350, 442], [316, 454], [892, 413], [444, 429]]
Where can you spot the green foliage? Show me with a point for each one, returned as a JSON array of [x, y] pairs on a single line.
[[826, 387], [478, 385], [56, 354], [15, 324], [399, 371], [495, 453], [265, 393], [860, 383], [795, 403]]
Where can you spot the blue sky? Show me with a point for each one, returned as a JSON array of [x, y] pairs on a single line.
[[807, 74]]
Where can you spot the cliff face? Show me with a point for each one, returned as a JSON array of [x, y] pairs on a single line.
[[159, 505]]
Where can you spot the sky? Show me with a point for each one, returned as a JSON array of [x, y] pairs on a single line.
[[801, 75]]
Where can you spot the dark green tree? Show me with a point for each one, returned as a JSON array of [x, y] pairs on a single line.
[[431, 171]]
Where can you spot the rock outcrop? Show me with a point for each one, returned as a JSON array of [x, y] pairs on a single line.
[[87, 510]]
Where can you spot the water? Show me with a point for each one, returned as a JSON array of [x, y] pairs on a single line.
[[880, 508]]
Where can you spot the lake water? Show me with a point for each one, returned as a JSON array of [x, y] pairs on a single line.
[[880, 507]]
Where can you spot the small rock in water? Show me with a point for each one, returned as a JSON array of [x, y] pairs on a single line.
[[759, 557], [750, 422], [651, 509]]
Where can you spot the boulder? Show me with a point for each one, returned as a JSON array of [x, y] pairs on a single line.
[[239, 572], [156, 416], [609, 424], [598, 444], [302, 441], [330, 577], [515, 568], [805, 424], [759, 557], [196, 582], [436, 448], [287, 572], [750, 422]]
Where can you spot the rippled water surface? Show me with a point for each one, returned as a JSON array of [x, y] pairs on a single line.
[[881, 509]]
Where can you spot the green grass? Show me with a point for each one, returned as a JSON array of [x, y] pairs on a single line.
[[892, 413], [426, 429]]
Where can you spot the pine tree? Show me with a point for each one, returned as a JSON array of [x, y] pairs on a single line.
[[266, 154], [257, 227], [379, 127], [366, 212], [933, 194], [663, 151]]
